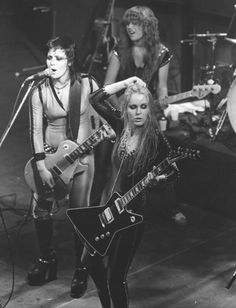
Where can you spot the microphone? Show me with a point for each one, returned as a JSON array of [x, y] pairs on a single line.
[[46, 73]]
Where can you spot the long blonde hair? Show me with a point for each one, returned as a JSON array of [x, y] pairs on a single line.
[[148, 138]]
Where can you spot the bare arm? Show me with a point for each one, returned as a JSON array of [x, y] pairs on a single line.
[[162, 84], [113, 88], [112, 74], [113, 69]]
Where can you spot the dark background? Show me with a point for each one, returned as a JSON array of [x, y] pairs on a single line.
[[177, 19]]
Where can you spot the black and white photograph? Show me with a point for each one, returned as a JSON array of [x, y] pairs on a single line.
[[118, 153]]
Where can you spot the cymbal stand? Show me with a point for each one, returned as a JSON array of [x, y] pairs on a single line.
[[220, 124], [231, 281], [212, 40]]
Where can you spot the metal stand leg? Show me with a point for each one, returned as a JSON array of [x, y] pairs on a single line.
[[220, 124], [3, 137]]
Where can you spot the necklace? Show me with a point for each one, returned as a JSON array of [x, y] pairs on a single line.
[[59, 89], [127, 147]]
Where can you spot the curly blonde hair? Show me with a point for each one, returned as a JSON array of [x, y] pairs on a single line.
[[144, 16]]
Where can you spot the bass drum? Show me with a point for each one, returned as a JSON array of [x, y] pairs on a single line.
[[231, 104]]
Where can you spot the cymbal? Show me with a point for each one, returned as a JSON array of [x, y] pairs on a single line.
[[230, 40], [208, 34]]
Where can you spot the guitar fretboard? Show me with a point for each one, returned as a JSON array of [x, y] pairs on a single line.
[[88, 144], [141, 185], [178, 97]]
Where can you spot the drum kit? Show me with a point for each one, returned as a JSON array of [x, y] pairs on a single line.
[[221, 72], [224, 104]]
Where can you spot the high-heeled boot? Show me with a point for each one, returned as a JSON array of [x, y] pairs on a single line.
[[80, 277], [45, 268]]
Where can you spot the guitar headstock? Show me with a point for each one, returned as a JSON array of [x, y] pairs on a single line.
[[201, 91], [182, 153]]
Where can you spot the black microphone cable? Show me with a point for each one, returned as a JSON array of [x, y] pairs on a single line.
[[11, 249]]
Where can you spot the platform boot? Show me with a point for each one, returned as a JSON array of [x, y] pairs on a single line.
[[80, 277], [45, 268]]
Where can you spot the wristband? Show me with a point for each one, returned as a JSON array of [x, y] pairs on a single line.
[[39, 156]]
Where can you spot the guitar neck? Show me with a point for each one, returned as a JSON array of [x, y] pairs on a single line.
[[108, 17], [88, 144], [179, 97], [142, 184]]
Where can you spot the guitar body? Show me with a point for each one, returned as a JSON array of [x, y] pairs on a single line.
[[61, 169], [94, 233]]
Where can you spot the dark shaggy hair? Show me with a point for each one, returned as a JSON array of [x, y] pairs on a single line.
[[145, 17], [69, 46]]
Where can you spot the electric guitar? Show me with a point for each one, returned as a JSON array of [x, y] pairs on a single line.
[[96, 226], [63, 162], [198, 91]]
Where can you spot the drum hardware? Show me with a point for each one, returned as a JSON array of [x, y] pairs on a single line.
[[212, 73], [207, 72], [231, 33], [219, 125], [208, 34], [211, 37], [189, 41]]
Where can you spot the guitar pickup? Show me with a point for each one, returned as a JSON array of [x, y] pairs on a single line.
[[119, 205], [106, 217], [57, 170], [69, 159]]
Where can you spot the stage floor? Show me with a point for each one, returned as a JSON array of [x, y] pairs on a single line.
[[175, 267]]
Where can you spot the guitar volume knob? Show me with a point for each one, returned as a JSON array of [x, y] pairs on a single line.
[[102, 236], [97, 238], [132, 219], [107, 234], [65, 146]]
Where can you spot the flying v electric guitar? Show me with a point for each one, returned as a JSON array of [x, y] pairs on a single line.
[[96, 226], [63, 162]]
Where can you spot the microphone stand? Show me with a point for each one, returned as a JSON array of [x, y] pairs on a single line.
[[30, 86], [231, 281]]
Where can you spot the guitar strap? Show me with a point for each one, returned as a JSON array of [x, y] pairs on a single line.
[[73, 116], [73, 122], [117, 175]]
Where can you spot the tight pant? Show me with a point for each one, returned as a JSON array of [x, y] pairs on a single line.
[[43, 209], [111, 281]]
